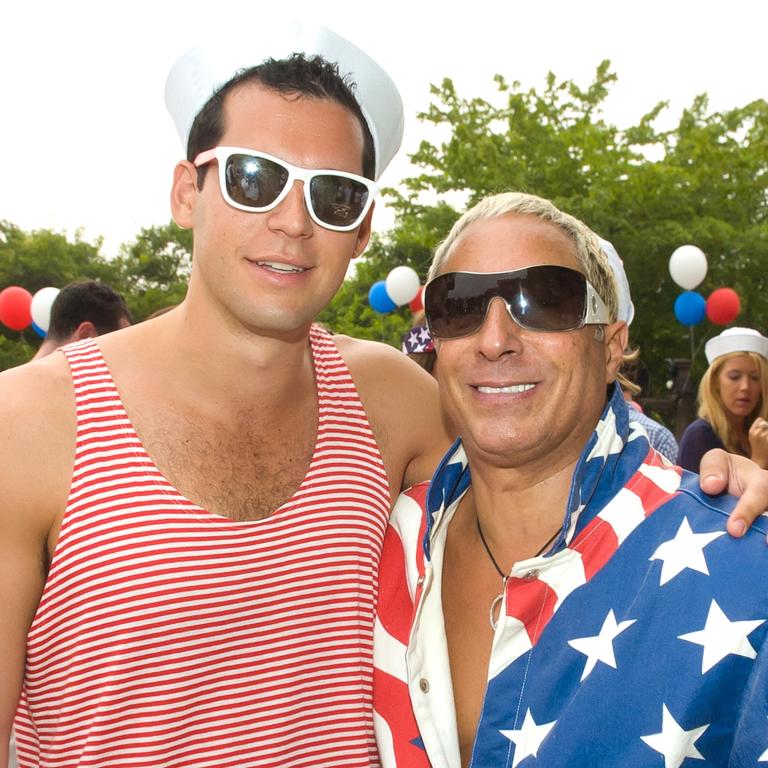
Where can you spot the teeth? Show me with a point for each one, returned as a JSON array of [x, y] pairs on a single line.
[[279, 267], [513, 390]]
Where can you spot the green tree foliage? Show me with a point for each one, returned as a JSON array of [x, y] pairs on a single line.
[[409, 244], [41, 258], [647, 190], [155, 268], [350, 313]]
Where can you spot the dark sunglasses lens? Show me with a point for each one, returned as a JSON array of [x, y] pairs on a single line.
[[453, 306], [336, 200], [254, 181], [546, 298]]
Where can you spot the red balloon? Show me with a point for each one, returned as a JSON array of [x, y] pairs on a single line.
[[417, 302], [15, 303], [723, 306]]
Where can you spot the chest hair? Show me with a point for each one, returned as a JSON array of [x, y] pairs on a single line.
[[244, 468]]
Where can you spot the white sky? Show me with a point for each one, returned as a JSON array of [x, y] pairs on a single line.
[[87, 143]]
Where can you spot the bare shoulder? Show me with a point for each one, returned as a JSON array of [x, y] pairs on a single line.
[[363, 353], [37, 436], [402, 403], [384, 375], [40, 385]]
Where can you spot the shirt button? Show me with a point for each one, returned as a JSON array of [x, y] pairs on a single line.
[[424, 685], [531, 575]]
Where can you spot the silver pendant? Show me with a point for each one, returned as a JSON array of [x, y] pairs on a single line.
[[493, 618]]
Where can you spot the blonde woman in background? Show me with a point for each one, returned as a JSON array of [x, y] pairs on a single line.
[[733, 400]]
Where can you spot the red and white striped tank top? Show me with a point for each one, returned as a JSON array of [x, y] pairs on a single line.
[[170, 636]]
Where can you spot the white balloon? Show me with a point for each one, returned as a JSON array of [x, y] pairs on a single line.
[[688, 266], [41, 307], [402, 285]]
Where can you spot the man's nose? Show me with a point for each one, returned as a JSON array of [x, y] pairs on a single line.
[[291, 215], [499, 334]]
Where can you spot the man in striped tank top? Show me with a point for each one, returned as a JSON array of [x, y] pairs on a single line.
[[192, 510]]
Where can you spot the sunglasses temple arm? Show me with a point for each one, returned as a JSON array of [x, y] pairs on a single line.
[[597, 311]]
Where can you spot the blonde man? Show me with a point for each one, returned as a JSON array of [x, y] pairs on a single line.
[[559, 594]]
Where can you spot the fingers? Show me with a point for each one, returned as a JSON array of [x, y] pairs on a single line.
[[721, 471], [758, 432], [750, 506], [758, 442], [715, 472]]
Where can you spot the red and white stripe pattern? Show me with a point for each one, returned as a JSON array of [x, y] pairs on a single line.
[[170, 636]]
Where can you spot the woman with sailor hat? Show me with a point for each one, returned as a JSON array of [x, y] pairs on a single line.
[[733, 400]]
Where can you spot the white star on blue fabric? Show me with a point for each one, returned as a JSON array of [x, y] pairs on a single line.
[[527, 739], [686, 550], [673, 742], [721, 637], [600, 646], [424, 335]]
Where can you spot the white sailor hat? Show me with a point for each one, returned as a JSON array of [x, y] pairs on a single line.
[[736, 340], [195, 77], [626, 311]]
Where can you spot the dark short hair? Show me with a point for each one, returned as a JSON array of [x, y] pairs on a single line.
[[310, 76], [83, 301]]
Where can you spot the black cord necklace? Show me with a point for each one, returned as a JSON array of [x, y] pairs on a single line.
[[492, 618]]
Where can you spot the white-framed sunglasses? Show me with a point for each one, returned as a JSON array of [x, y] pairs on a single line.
[[257, 182]]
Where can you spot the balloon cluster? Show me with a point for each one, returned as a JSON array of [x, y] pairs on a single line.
[[19, 308], [688, 268], [401, 287]]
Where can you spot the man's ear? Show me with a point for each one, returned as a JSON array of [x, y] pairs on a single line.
[[86, 330], [364, 232], [615, 342], [183, 193]]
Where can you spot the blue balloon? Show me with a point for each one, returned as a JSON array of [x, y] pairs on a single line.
[[379, 299], [690, 308], [38, 330]]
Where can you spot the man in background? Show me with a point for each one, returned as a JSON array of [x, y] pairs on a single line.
[[82, 310]]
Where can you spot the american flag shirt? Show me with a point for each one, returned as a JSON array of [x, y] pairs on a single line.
[[639, 639]]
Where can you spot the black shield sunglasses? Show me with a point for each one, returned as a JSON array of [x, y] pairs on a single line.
[[545, 297]]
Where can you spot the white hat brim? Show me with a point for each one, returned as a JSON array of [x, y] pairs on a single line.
[[200, 72], [736, 340]]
